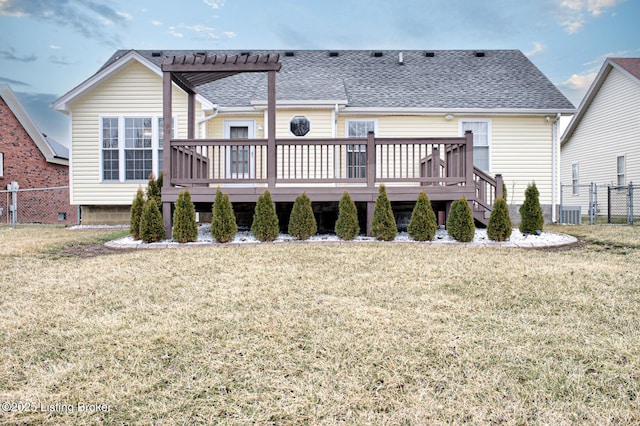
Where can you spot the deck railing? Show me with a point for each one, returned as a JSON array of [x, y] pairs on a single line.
[[439, 162]]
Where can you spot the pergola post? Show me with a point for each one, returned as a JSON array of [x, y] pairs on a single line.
[[271, 129], [167, 128]]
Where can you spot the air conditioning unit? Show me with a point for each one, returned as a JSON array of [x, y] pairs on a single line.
[[571, 215]]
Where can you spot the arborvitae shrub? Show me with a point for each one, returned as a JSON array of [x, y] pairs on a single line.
[[530, 211], [499, 228], [347, 226], [383, 224], [154, 192], [223, 225], [185, 227], [423, 223], [136, 213], [302, 222], [460, 222], [265, 220], [151, 227], [504, 190]]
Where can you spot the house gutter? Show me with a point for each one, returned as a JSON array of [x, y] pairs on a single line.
[[554, 165], [216, 109]]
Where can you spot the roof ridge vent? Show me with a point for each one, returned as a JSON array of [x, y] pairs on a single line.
[[289, 53], [401, 58], [377, 54], [479, 54], [156, 53], [245, 53], [429, 54], [334, 54]]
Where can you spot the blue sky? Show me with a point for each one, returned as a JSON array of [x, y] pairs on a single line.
[[47, 47]]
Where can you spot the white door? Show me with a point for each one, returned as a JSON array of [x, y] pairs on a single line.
[[240, 159]]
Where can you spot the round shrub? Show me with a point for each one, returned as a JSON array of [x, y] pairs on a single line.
[[347, 226], [265, 220], [302, 222], [185, 227], [423, 223], [460, 223], [136, 213], [499, 228], [530, 211], [151, 227], [383, 224], [223, 225]]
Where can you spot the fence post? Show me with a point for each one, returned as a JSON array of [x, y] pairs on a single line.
[[593, 196], [13, 208], [630, 203]]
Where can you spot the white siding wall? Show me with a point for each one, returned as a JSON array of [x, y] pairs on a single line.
[[609, 128], [134, 90]]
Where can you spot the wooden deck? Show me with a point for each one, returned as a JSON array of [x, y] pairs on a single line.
[[325, 168]]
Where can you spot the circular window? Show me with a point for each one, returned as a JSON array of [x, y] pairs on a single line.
[[300, 125]]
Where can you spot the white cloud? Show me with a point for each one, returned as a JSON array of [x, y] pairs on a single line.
[[580, 82], [537, 48], [156, 23], [173, 32], [53, 46], [214, 4], [126, 16], [229, 34], [572, 14]]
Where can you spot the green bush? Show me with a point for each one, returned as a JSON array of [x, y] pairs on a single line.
[[530, 211], [185, 227], [460, 223], [265, 221], [154, 192], [504, 191], [423, 223], [347, 226], [223, 225], [151, 227], [499, 228], [383, 224], [302, 222], [136, 213]]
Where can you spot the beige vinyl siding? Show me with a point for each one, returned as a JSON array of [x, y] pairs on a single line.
[[609, 128], [134, 90]]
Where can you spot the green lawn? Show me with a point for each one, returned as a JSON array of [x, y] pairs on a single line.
[[376, 333]]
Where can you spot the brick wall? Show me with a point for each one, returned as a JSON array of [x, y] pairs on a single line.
[[25, 164]]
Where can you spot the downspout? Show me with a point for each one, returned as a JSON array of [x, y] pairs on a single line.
[[554, 166], [207, 118], [335, 122]]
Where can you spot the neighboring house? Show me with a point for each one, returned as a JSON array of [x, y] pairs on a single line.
[[601, 145], [418, 104], [34, 161]]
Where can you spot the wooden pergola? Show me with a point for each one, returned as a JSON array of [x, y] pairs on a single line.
[[189, 72]]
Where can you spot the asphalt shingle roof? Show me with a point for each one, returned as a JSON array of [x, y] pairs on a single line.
[[450, 79]]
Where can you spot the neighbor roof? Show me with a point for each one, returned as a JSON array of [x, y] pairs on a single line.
[[53, 151], [438, 80], [628, 66]]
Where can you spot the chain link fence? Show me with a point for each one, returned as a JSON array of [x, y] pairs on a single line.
[[598, 204], [49, 206]]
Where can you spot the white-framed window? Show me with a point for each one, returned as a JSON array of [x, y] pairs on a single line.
[[481, 129], [1, 164], [110, 151], [240, 158], [357, 154], [575, 179], [131, 147], [621, 169]]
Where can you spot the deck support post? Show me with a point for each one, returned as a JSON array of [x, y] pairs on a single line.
[[167, 128], [371, 207], [271, 129], [499, 181], [371, 160], [469, 160]]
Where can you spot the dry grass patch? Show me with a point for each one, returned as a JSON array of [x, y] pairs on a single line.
[[326, 333]]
